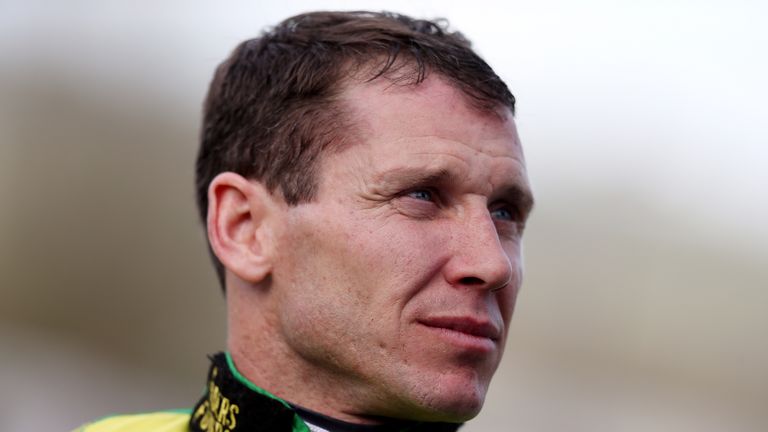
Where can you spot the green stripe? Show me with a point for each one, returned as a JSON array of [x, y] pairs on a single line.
[[298, 423], [187, 411]]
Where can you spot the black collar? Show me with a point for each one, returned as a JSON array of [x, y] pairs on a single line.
[[229, 404]]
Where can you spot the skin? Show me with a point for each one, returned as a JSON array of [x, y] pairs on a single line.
[[390, 294]]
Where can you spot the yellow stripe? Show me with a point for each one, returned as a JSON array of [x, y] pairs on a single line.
[[155, 422]]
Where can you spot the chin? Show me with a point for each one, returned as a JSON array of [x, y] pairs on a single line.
[[459, 409], [452, 401]]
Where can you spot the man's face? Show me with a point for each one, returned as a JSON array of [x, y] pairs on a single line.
[[397, 283]]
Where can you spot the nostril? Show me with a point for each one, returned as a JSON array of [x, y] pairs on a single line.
[[471, 280]]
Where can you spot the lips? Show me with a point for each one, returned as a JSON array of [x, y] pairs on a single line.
[[467, 325]]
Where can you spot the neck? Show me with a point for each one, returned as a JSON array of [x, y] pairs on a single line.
[[297, 384], [267, 361], [233, 402]]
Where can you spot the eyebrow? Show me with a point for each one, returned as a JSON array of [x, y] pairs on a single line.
[[520, 196], [413, 176]]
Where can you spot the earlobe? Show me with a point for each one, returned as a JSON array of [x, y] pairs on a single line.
[[239, 231]]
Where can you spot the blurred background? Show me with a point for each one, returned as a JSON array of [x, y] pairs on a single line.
[[646, 295]]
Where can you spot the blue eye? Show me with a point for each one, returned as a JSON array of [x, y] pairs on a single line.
[[502, 213], [421, 194]]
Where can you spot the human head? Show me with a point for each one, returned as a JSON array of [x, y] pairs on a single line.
[[373, 247], [271, 112]]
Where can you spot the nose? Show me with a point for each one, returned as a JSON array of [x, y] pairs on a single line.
[[479, 260]]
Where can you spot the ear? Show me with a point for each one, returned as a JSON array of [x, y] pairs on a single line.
[[241, 225]]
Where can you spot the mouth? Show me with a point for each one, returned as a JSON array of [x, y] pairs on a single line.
[[466, 332]]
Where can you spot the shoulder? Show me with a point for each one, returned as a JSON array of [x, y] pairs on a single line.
[[164, 421]]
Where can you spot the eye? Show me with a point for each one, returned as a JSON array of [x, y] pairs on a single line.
[[502, 213], [422, 202], [421, 194]]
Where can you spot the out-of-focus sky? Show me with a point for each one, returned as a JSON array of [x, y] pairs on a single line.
[[644, 129]]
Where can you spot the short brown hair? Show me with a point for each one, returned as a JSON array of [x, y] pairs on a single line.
[[271, 108]]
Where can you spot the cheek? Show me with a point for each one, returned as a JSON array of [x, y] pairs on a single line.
[[333, 272], [392, 250], [507, 298]]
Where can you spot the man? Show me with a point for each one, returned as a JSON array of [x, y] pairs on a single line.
[[365, 194]]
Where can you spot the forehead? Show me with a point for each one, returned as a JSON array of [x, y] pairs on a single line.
[[430, 107], [432, 127]]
